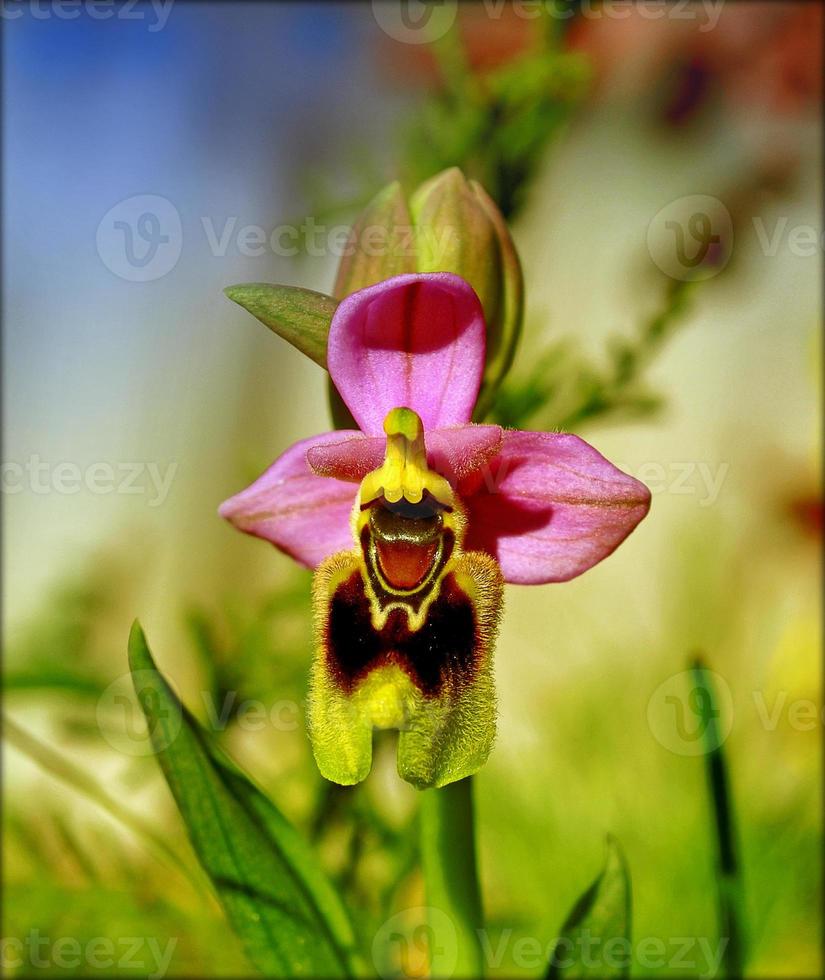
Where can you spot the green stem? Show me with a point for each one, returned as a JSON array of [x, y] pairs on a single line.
[[448, 858]]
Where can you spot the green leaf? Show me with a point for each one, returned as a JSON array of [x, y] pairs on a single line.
[[275, 896], [595, 939], [300, 316]]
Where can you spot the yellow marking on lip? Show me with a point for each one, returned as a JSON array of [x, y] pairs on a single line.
[[404, 474]]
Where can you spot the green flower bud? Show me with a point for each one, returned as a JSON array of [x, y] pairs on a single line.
[[504, 325], [380, 244], [450, 225]]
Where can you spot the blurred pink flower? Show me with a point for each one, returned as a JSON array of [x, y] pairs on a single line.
[[490, 38], [758, 56]]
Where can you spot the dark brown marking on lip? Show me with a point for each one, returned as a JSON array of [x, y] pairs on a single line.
[[443, 651]]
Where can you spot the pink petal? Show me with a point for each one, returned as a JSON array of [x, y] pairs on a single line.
[[415, 340], [348, 459], [305, 515], [454, 452], [550, 507], [458, 451]]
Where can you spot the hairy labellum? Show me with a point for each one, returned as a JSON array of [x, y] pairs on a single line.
[[405, 626]]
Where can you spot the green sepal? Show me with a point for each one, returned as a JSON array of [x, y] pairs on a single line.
[[460, 229], [300, 316]]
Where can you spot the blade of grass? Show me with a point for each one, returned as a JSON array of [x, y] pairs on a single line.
[[728, 877], [61, 767], [603, 912]]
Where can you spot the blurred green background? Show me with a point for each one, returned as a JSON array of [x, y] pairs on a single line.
[[584, 128]]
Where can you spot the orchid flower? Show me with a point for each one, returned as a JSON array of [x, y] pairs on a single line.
[[414, 522]]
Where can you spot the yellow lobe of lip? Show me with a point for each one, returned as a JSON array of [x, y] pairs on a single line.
[[404, 474]]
